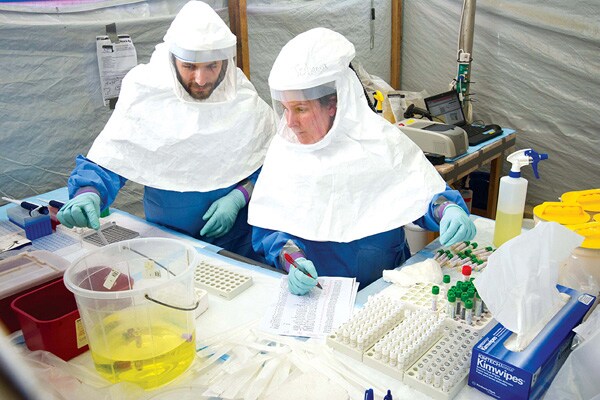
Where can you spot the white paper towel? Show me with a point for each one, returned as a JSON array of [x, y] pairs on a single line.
[[519, 283]]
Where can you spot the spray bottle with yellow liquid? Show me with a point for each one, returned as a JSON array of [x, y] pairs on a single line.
[[512, 193]]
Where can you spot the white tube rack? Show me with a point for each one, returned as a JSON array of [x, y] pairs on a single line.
[[424, 349], [378, 316], [219, 280]]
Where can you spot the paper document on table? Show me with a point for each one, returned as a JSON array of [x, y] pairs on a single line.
[[315, 314]]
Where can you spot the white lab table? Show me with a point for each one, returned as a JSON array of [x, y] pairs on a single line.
[[225, 315]]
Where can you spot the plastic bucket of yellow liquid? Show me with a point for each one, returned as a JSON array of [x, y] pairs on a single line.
[[136, 300]]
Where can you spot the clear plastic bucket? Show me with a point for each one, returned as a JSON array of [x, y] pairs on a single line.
[[136, 300]]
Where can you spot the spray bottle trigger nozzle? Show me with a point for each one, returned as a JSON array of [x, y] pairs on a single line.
[[535, 159]]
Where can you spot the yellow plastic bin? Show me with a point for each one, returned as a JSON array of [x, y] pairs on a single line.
[[589, 200], [566, 213], [136, 299]]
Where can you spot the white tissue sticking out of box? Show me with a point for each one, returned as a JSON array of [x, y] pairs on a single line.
[[519, 283], [427, 271]]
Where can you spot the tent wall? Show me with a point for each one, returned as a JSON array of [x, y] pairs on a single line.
[[51, 107], [535, 69]]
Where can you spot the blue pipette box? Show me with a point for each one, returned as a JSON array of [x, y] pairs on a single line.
[[35, 226], [504, 374]]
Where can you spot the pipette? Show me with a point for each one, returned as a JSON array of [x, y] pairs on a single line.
[[52, 203], [31, 207]]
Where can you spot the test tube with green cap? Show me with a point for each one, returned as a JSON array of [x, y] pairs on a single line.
[[464, 297], [451, 305], [435, 291], [446, 281], [469, 311]]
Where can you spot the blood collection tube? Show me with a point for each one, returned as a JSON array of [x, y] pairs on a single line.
[[466, 272], [469, 311], [446, 281], [464, 297], [439, 254], [451, 305], [459, 246], [435, 291], [478, 305]]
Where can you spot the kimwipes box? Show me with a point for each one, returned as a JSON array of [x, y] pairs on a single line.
[[504, 374]]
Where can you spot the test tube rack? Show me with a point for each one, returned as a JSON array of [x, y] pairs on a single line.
[[219, 280], [419, 295], [422, 348], [112, 232], [444, 369]]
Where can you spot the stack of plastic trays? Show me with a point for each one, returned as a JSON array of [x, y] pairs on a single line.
[[444, 369], [405, 343], [378, 316]]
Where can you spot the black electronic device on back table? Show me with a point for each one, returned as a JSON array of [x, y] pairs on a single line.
[[446, 107]]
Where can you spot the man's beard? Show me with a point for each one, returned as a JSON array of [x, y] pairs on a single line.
[[203, 95]]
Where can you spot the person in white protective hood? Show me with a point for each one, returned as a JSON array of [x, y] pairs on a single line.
[[191, 128], [339, 181]]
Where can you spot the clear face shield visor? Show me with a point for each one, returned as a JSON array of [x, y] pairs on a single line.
[[208, 75], [308, 114]]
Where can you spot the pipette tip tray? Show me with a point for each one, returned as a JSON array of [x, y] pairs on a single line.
[[35, 226], [504, 374]]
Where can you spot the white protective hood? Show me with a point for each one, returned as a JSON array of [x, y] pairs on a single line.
[[364, 177], [159, 136]]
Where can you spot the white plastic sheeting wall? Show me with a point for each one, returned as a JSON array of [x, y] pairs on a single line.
[[536, 69], [51, 107]]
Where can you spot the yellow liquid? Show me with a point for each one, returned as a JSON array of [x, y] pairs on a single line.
[[507, 227], [149, 356]]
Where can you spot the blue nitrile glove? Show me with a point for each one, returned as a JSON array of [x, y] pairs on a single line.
[[456, 226], [298, 282], [82, 210], [222, 213]]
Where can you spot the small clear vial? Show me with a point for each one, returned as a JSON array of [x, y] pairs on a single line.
[[429, 375], [435, 291], [446, 384], [437, 379]]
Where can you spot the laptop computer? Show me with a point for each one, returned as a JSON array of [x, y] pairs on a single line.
[[446, 107]]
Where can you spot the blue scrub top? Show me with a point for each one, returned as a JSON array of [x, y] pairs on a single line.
[[365, 259], [180, 211]]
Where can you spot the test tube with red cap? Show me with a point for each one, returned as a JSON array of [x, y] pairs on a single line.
[[466, 272]]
